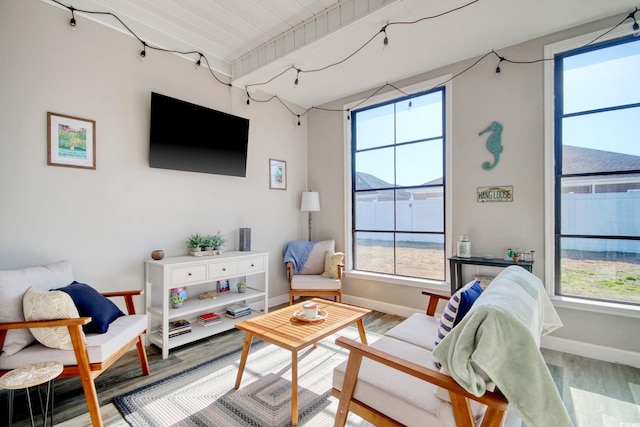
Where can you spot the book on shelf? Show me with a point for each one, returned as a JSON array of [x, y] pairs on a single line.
[[238, 314], [238, 308], [209, 316], [178, 325], [176, 333], [209, 322]]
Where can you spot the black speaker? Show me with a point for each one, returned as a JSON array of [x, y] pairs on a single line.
[[245, 239]]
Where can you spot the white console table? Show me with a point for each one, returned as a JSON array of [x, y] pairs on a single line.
[[198, 275]]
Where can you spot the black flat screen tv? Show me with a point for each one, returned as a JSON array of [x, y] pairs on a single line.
[[189, 137]]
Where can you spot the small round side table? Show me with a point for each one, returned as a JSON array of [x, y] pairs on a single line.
[[29, 376]]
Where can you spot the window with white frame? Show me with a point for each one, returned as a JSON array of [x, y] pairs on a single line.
[[398, 186], [596, 176]]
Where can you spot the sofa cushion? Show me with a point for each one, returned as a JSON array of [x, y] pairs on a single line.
[[314, 281], [91, 303], [457, 307], [418, 329], [315, 262], [14, 284], [331, 262], [47, 305], [99, 346]]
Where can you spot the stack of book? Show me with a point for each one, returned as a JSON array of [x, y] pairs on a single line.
[[178, 327], [207, 319], [238, 310]]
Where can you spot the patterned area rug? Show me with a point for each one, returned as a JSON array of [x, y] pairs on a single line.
[[204, 395]]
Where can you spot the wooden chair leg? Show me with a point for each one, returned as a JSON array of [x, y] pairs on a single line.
[[142, 356]]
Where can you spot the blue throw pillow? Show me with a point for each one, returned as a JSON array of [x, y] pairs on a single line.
[[457, 308], [91, 303]]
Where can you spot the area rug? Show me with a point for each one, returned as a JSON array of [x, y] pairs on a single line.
[[204, 395]]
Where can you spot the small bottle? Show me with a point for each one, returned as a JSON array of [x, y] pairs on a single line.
[[464, 247]]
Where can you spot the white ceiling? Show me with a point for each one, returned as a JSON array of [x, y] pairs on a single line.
[[252, 41]]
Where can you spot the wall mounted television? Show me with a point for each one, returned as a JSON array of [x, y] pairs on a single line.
[[190, 137]]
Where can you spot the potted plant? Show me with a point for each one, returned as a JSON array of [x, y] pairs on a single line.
[[217, 240], [242, 287], [176, 301], [515, 255], [207, 243], [194, 242]]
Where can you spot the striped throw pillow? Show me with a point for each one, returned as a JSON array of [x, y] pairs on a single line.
[[457, 307]]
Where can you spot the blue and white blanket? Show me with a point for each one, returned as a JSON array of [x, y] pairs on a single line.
[[298, 253]]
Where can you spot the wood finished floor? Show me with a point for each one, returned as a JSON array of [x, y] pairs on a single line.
[[597, 394]]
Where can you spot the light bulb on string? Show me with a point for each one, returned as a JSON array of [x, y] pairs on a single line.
[[199, 62], [298, 119], [297, 76], [72, 21], [248, 98], [349, 115], [498, 70], [385, 42], [143, 54], [635, 26], [410, 104]]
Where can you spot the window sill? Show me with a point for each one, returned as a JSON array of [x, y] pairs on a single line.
[[428, 284], [612, 308]]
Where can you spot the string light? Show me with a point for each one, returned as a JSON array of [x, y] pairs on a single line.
[[72, 21], [143, 53]]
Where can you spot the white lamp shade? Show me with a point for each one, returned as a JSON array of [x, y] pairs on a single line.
[[310, 201]]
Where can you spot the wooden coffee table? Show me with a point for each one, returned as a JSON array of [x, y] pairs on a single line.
[[277, 327]]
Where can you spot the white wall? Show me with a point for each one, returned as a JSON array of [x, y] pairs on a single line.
[[515, 99], [106, 221]]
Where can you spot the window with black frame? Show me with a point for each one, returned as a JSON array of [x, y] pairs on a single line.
[[398, 186], [597, 171]]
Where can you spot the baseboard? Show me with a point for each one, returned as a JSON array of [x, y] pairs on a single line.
[[593, 351]]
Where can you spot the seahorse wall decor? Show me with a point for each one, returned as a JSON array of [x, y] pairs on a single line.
[[494, 144]]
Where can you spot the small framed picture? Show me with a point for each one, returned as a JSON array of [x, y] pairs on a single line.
[[182, 291], [223, 286], [277, 174], [71, 141]]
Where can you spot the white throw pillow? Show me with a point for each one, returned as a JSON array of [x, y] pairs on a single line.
[[48, 305], [315, 262], [331, 262], [13, 285]]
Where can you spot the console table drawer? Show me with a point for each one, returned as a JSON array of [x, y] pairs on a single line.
[[182, 275], [223, 269], [252, 265]]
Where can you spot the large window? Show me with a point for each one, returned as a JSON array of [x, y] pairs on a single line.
[[398, 186], [597, 171]]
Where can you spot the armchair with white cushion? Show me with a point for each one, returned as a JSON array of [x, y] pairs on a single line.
[[314, 269]]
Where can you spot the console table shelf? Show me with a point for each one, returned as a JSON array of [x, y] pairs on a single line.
[[197, 275], [456, 262]]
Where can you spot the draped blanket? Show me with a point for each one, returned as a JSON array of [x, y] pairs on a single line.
[[298, 253], [498, 342]]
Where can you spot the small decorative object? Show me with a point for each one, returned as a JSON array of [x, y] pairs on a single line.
[[515, 255], [71, 141], [181, 291], [208, 295], [310, 310], [242, 287], [494, 144], [176, 301], [300, 317], [158, 254], [277, 174], [464, 247], [223, 286]]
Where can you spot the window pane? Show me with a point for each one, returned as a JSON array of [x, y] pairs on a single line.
[[602, 78], [424, 214], [420, 255], [423, 120], [374, 252], [374, 127], [374, 169], [601, 269], [419, 163], [607, 214], [374, 210], [601, 142]]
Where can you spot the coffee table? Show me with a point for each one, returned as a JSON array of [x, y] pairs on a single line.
[[277, 327]]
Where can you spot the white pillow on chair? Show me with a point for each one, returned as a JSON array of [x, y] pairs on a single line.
[[331, 262], [315, 262]]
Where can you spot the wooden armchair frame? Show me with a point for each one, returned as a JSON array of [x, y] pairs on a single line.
[[84, 369], [336, 294], [497, 404]]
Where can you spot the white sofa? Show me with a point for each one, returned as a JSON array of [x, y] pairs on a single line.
[[92, 352], [395, 381]]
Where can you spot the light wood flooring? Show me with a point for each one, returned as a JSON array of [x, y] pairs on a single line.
[[597, 394]]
